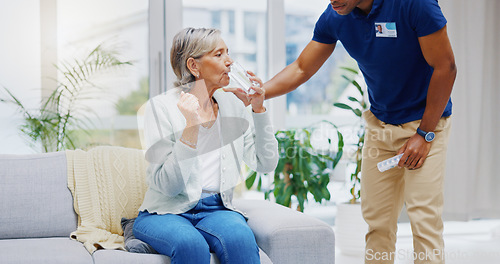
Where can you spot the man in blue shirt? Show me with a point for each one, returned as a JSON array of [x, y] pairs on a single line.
[[403, 51]]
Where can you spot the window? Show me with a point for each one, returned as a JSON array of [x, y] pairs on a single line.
[[314, 99], [120, 27], [19, 68], [242, 24]]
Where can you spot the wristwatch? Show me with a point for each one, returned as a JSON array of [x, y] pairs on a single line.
[[428, 136]]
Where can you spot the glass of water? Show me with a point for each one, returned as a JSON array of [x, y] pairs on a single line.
[[240, 77]]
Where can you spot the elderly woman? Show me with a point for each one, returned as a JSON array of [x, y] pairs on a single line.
[[204, 134]]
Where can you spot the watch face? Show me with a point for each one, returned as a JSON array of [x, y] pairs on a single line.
[[430, 136]]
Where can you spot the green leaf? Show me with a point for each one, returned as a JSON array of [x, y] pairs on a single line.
[[326, 194], [353, 176], [250, 179], [355, 83], [301, 197], [318, 194], [278, 190], [343, 106], [351, 80], [353, 99], [324, 179], [350, 69], [288, 196], [266, 194], [324, 157], [347, 78], [356, 111]]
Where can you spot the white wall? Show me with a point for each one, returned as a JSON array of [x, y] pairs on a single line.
[[472, 183]]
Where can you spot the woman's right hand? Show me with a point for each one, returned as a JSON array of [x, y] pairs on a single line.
[[189, 106], [240, 93]]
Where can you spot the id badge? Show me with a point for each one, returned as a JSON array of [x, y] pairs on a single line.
[[385, 30]]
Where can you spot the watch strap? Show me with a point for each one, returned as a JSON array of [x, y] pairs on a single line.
[[421, 132], [428, 136]]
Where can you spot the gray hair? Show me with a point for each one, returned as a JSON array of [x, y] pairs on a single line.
[[191, 43]]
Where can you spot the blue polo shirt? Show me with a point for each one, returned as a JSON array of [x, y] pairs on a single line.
[[385, 45]]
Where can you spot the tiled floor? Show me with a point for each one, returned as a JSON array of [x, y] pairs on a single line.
[[465, 243], [473, 242]]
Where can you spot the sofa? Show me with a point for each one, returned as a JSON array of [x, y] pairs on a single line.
[[37, 216]]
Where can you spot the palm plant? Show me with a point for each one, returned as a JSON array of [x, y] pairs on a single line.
[[301, 169], [360, 107], [64, 109]]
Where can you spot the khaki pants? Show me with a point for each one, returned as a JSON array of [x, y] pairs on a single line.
[[421, 190]]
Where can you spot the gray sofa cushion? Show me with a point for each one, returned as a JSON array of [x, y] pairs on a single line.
[[60, 250], [105, 256], [288, 236], [123, 257], [34, 197]]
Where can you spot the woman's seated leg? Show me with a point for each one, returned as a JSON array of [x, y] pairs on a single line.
[[174, 236], [230, 237]]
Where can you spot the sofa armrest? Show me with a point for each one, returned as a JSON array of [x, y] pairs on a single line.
[[288, 236]]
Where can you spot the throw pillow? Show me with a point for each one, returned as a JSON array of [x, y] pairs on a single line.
[[133, 244]]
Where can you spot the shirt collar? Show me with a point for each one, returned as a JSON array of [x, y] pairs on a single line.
[[377, 5]]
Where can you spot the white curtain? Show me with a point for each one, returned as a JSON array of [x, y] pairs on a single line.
[[472, 186]]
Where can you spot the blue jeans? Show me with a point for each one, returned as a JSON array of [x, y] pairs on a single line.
[[191, 236]]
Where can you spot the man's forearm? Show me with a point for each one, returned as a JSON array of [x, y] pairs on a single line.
[[297, 73], [438, 94], [285, 81]]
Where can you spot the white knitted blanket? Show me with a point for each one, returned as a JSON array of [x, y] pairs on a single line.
[[107, 183]]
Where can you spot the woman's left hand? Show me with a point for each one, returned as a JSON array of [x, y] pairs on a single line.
[[257, 98]]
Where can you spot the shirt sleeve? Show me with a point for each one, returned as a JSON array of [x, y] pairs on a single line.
[[323, 32], [261, 146], [171, 162], [426, 17]]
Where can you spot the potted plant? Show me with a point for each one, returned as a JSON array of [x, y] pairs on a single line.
[[301, 168], [51, 125], [350, 225]]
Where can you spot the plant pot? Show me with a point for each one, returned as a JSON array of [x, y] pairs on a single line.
[[350, 229]]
